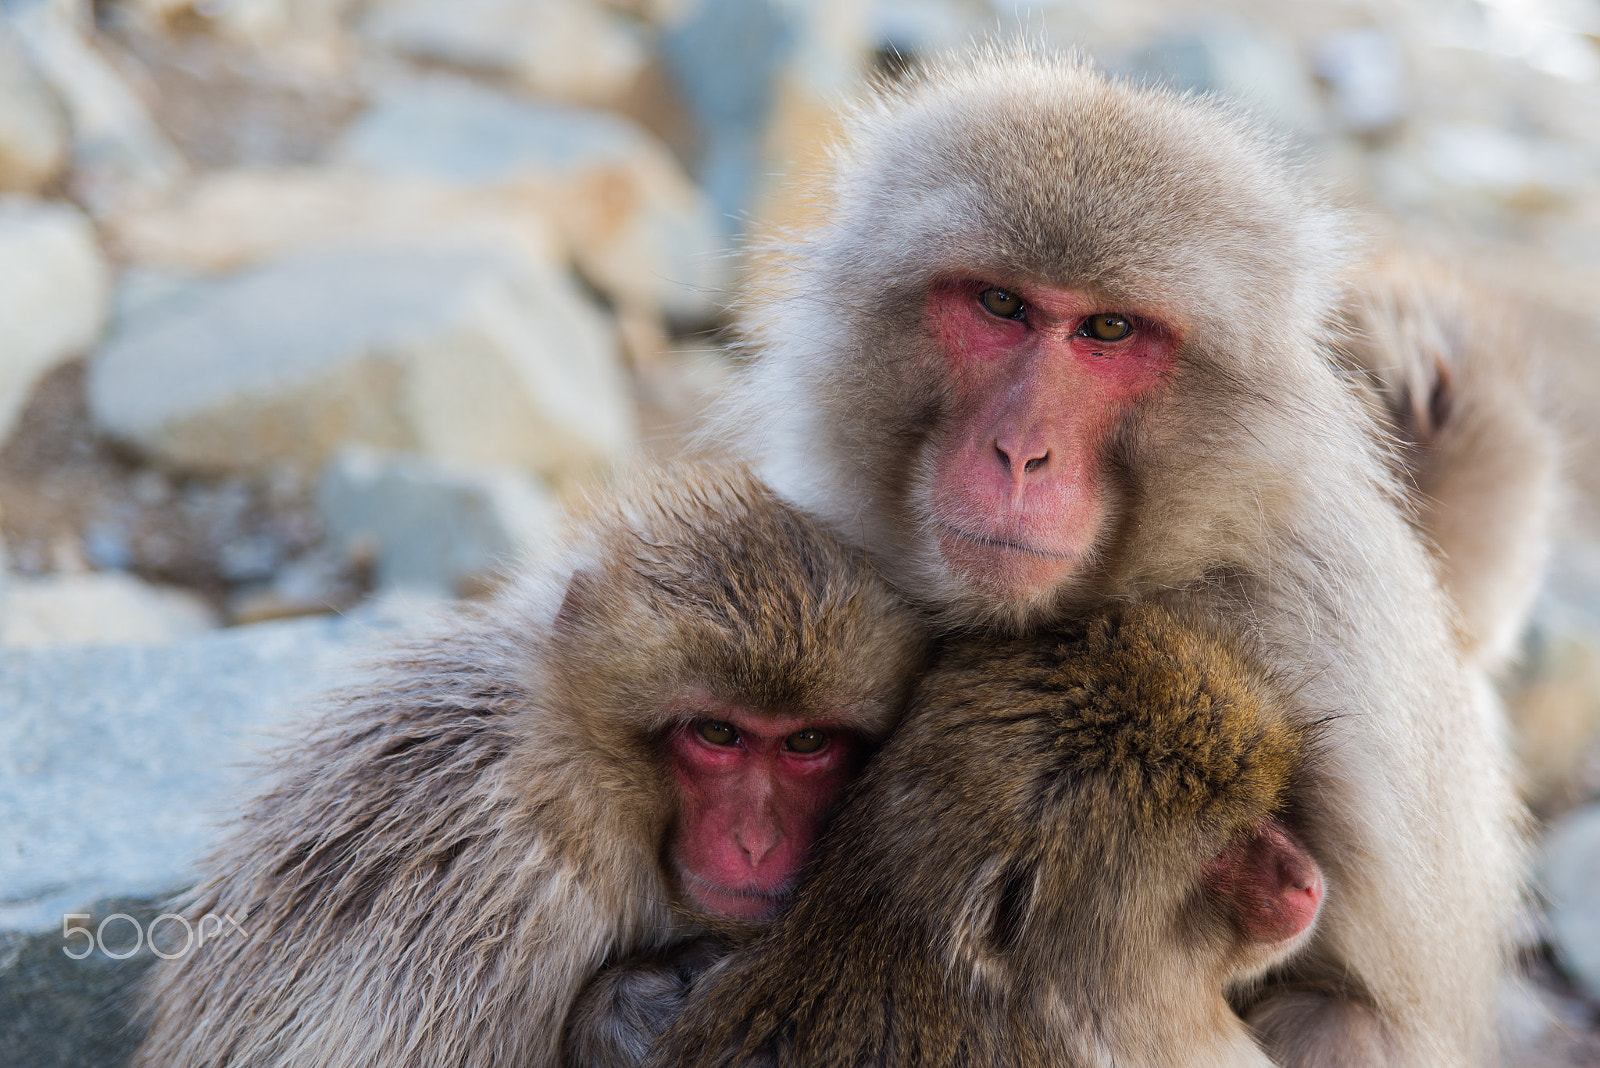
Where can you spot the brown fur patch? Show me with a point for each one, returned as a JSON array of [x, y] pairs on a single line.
[[1017, 879]]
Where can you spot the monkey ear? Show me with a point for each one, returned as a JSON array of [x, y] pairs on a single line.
[[1270, 884], [1441, 399], [1424, 413], [580, 604]]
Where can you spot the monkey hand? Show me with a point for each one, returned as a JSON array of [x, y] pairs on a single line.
[[626, 1007]]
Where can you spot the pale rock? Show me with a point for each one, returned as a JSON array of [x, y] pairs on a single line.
[[53, 294], [97, 608], [724, 56], [637, 228], [431, 527], [1553, 695], [570, 50], [832, 44], [921, 27], [1553, 703], [259, 23], [1365, 71], [265, 22], [153, 14], [654, 12], [1240, 59], [118, 764], [1572, 884], [326, 579], [34, 138], [118, 761], [119, 156], [1504, 164], [455, 351], [229, 219]]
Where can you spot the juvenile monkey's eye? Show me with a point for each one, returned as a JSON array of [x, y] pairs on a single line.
[[1001, 303], [717, 733], [806, 741], [1107, 327]]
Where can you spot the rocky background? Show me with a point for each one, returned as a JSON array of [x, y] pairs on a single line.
[[312, 310]]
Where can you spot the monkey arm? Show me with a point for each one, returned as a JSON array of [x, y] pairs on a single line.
[[407, 884]]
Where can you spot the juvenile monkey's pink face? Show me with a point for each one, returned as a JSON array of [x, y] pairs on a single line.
[[754, 791], [1041, 376]]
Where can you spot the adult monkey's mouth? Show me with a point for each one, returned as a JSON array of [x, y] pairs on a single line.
[[989, 541]]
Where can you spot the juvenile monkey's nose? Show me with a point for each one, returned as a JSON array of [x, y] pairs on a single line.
[[758, 841]]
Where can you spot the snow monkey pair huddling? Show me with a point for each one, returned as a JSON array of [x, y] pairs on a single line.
[[1097, 487]]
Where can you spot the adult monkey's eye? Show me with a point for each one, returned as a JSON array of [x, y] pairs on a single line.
[[717, 733], [1107, 327], [1002, 303], [806, 741]]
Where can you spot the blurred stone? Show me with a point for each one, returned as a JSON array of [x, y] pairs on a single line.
[[1366, 72], [832, 50], [119, 156], [224, 103], [432, 528], [1554, 705], [152, 14], [571, 50], [1572, 884], [67, 1000], [1543, 1023], [1526, 1017], [1238, 59], [1503, 163], [259, 23], [654, 12], [118, 760], [97, 608], [53, 294], [636, 226], [33, 131], [724, 55], [457, 352], [326, 579], [922, 27], [1553, 697], [677, 391], [229, 219], [450, 129]]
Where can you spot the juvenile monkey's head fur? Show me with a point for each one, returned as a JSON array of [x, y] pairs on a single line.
[[1105, 762], [704, 581], [1025, 166], [1020, 877], [1163, 726], [690, 586]]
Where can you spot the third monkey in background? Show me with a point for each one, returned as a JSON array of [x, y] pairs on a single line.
[[1452, 374], [1060, 342]]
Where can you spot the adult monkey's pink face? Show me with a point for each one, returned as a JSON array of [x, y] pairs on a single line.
[[1041, 377]]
